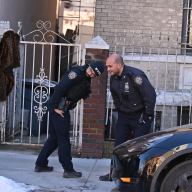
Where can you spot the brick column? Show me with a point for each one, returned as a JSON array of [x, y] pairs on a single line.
[[94, 107]]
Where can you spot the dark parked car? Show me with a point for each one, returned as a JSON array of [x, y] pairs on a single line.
[[157, 162]]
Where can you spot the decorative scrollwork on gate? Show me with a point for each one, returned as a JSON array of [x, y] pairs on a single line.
[[43, 33], [41, 94]]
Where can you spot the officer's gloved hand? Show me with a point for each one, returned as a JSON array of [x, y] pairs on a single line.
[[145, 118]]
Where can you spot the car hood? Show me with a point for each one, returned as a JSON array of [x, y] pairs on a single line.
[[166, 139]]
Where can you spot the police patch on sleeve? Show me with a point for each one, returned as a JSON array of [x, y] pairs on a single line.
[[138, 80], [72, 75]]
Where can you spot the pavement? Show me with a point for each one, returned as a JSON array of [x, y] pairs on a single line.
[[19, 166]]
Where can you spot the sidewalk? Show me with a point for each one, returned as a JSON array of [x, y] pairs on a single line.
[[19, 165]]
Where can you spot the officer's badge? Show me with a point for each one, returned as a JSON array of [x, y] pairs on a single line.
[[126, 87], [138, 80], [72, 75]]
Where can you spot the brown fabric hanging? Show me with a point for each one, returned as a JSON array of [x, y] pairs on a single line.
[[9, 50], [9, 59], [2, 86]]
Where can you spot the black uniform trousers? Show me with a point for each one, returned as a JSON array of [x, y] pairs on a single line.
[[129, 126], [59, 136]]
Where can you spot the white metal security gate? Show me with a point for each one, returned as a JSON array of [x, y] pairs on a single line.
[[26, 117]]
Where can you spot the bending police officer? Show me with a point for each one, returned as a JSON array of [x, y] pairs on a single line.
[[134, 99], [74, 85]]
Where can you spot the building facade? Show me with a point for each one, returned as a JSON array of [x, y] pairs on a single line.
[[154, 36]]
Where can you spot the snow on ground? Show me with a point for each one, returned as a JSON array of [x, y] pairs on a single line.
[[8, 185]]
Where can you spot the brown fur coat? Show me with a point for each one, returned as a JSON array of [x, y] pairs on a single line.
[[9, 59]]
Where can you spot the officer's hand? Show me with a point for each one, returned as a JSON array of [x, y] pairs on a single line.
[[147, 118], [60, 112]]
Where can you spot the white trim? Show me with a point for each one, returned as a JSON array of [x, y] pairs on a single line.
[[174, 98], [96, 43], [160, 58], [185, 76]]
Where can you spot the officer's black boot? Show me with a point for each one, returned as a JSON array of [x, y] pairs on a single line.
[[72, 174], [43, 168], [105, 177]]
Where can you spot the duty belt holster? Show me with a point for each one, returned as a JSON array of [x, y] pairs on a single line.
[[62, 105], [66, 105]]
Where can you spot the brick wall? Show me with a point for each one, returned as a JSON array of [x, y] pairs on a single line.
[[93, 120], [94, 113], [116, 21]]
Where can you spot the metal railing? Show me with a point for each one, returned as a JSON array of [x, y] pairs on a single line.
[[43, 62]]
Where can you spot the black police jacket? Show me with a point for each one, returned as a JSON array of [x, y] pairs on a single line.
[[132, 92], [73, 86]]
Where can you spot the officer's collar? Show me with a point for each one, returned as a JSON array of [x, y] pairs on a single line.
[[122, 74]]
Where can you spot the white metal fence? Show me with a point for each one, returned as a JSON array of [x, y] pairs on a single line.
[[25, 117]]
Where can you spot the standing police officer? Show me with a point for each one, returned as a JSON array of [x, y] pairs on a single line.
[[134, 99], [74, 85]]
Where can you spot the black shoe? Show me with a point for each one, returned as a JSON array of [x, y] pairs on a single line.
[[105, 177], [43, 168], [115, 189], [72, 174]]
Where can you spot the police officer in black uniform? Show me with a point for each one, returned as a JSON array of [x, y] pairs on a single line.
[[74, 85], [134, 99]]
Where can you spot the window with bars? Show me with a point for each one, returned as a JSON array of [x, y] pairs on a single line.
[[187, 25], [77, 15], [158, 118], [184, 115]]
